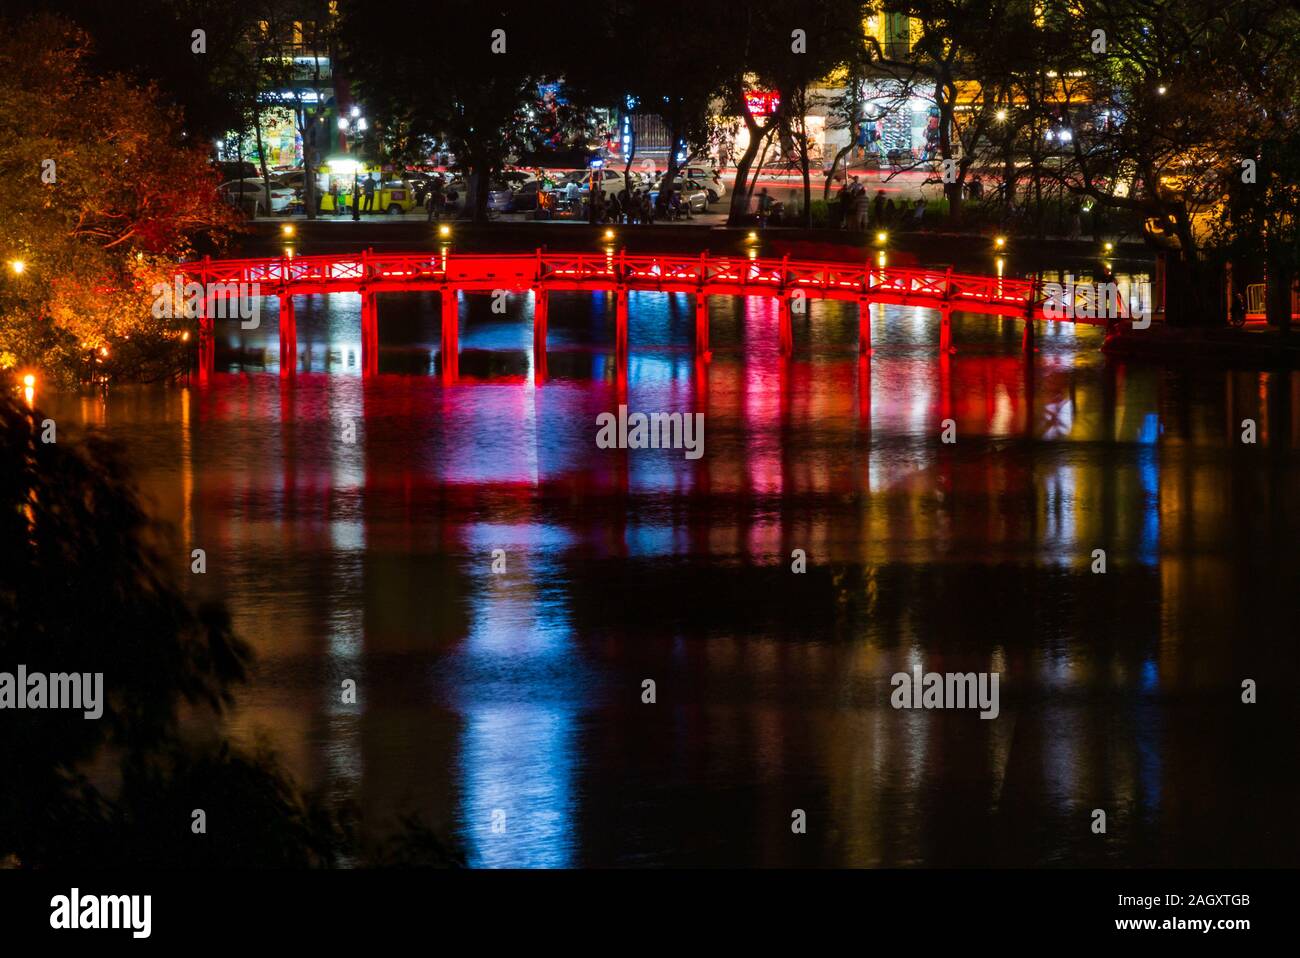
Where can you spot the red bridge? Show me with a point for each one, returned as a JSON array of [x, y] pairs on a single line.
[[788, 281]]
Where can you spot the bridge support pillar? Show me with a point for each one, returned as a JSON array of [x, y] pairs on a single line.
[[1027, 341], [702, 327], [541, 309], [369, 333], [864, 326], [786, 325], [207, 344], [945, 329], [288, 323], [450, 335], [620, 320]]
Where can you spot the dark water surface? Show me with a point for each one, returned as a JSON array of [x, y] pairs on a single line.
[[521, 692]]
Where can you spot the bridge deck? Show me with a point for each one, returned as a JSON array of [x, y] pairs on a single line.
[[706, 274]]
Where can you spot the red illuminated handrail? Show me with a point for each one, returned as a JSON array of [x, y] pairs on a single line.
[[706, 272]]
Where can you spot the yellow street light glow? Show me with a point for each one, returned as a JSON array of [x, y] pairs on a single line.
[[185, 336], [287, 229], [444, 230], [103, 350], [1000, 241], [1109, 247], [29, 380], [17, 266], [752, 237], [1160, 90], [609, 234], [1001, 115], [882, 237]]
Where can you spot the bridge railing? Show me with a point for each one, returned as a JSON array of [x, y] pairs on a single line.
[[517, 269]]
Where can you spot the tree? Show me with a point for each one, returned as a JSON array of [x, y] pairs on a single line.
[[106, 193], [465, 72], [1259, 220]]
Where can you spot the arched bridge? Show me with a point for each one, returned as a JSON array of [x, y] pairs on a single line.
[[544, 271]]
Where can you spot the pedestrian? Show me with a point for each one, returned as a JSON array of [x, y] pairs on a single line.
[[1238, 309], [861, 209], [764, 207], [889, 214], [370, 193], [878, 208], [918, 214], [336, 195], [1076, 220], [356, 197], [435, 199]]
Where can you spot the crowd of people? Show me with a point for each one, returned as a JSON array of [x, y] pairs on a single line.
[[860, 213]]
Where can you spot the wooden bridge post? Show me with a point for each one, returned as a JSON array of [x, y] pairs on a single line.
[[1027, 341], [288, 323], [620, 320], [207, 341], [450, 354], [786, 321], [945, 321], [369, 333], [702, 326], [541, 308], [864, 326], [786, 325]]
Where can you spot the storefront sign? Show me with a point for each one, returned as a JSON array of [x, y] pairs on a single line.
[[763, 102]]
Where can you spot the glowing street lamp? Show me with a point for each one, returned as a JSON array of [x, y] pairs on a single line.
[[882, 238], [444, 230], [18, 266], [1000, 242], [288, 229]]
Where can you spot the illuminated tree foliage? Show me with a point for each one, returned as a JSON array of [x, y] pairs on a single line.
[[103, 193]]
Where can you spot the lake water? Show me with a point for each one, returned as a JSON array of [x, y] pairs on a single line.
[[507, 708]]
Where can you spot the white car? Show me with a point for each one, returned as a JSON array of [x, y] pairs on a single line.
[[709, 180], [251, 194], [612, 182]]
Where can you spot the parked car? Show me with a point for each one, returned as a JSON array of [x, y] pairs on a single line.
[[514, 195], [612, 182], [710, 180], [693, 195], [250, 195], [293, 179], [391, 196]]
